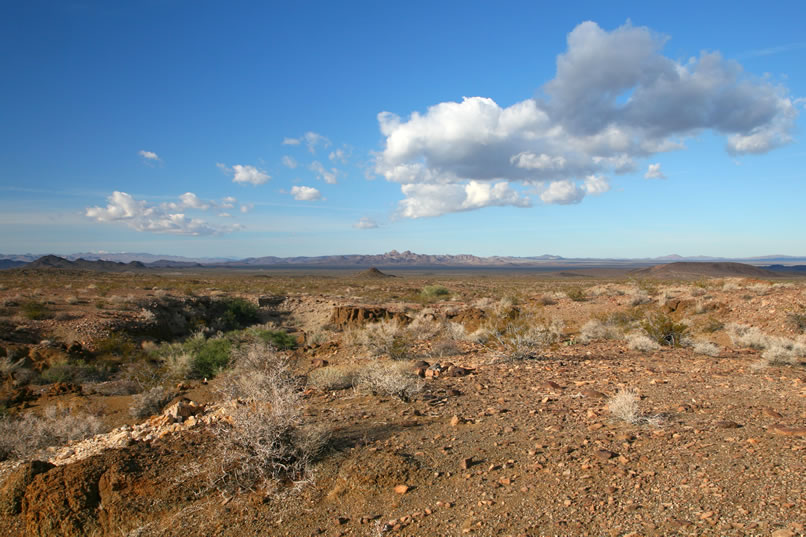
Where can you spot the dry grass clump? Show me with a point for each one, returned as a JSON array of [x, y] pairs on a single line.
[[743, 335], [707, 348], [642, 343], [732, 284], [265, 439], [525, 338], [624, 405], [21, 438], [150, 402], [385, 338], [334, 377], [638, 296], [597, 330], [393, 379], [777, 350]]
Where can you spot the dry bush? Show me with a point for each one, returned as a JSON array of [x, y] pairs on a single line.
[[642, 343], [596, 329], [149, 402], [707, 348], [547, 300], [782, 351], [73, 300], [732, 284], [760, 289], [21, 438], [638, 296], [743, 335], [334, 377], [624, 405], [394, 379], [265, 439], [385, 338], [525, 338]]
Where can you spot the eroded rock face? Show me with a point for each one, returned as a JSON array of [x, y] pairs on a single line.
[[357, 315], [471, 318], [13, 488], [63, 501]]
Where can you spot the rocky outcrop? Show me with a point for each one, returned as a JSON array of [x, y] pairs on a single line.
[[357, 315]]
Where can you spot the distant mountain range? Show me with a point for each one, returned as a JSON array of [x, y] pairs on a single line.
[[139, 261]]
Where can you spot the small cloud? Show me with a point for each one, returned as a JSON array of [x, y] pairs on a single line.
[[313, 139], [245, 174], [365, 223], [653, 172], [164, 218], [305, 193], [291, 141], [228, 202], [328, 176], [290, 162], [340, 155], [225, 215], [149, 155], [246, 207]]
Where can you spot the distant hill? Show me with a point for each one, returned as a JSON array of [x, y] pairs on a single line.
[[689, 269], [373, 274], [60, 263], [10, 263]]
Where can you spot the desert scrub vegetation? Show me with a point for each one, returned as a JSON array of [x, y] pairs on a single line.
[[238, 313], [334, 377], [625, 406], [664, 330], [394, 379], [435, 292], [150, 402], [384, 338], [596, 329], [265, 441], [641, 342], [197, 357], [577, 294], [707, 348], [776, 350], [22, 437], [797, 321], [77, 371], [525, 337], [34, 310]]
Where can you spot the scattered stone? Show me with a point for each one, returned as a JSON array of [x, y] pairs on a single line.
[[401, 489], [788, 431], [318, 363], [727, 424], [593, 394], [604, 454], [466, 463], [772, 413]]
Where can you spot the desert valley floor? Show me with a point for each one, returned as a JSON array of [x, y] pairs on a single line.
[[445, 403]]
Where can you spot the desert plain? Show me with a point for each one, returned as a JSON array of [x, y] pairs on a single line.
[[402, 402]]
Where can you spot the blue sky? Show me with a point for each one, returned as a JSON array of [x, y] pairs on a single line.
[[618, 129]]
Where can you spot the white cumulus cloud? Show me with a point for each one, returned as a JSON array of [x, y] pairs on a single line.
[[615, 99], [163, 218], [422, 200], [290, 162], [148, 155], [245, 174], [365, 223], [305, 193], [653, 172], [291, 141]]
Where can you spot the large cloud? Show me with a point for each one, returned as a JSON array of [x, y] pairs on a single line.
[[615, 98], [163, 218]]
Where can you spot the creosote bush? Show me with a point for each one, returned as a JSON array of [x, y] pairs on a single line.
[[385, 338], [664, 330], [640, 342], [34, 310], [435, 292]]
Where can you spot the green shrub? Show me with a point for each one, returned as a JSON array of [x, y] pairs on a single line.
[[664, 330], [209, 357], [435, 291], [577, 294], [34, 310], [77, 372], [277, 339], [116, 345], [238, 313]]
